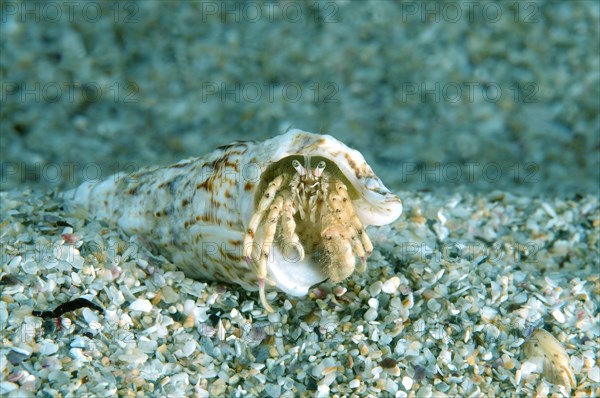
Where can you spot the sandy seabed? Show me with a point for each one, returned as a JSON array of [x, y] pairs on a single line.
[[482, 117]]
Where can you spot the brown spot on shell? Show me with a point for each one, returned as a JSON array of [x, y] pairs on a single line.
[[241, 144], [185, 202], [223, 162], [248, 186], [203, 217], [206, 184], [352, 164], [230, 255]]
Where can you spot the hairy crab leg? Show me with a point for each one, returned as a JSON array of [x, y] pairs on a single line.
[[356, 224], [288, 226], [270, 230], [341, 261], [360, 252], [263, 205]]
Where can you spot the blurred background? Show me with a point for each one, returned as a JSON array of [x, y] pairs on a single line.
[[441, 96]]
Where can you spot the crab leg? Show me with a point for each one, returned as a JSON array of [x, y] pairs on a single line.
[[288, 226], [263, 205], [270, 229]]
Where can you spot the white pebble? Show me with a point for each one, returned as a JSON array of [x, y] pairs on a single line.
[[142, 305], [355, 383], [188, 306], [339, 291], [65, 323], [391, 386], [116, 296], [594, 374], [29, 266], [488, 313], [548, 209], [89, 316], [322, 391], [528, 367], [146, 345], [273, 390], [434, 305], [407, 382], [318, 370], [371, 314], [328, 379], [376, 371], [414, 349], [75, 279], [560, 248], [373, 303], [135, 357], [48, 347], [559, 316], [79, 342], [13, 289], [212, 298], [169, 295], [375, 289], [188, 348], [15, 262], [576, 364], [142, 263], [274, 317], [391, 285], [7, 386], [520, 298]]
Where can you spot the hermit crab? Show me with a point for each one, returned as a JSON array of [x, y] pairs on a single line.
[[285, 213]]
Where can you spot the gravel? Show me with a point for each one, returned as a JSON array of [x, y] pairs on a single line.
[[429, 316], [486, 125]]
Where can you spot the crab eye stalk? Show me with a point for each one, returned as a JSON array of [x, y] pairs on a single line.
[[319, 169], [299, 168]]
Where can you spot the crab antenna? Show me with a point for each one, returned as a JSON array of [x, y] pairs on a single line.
[[307, 165]]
